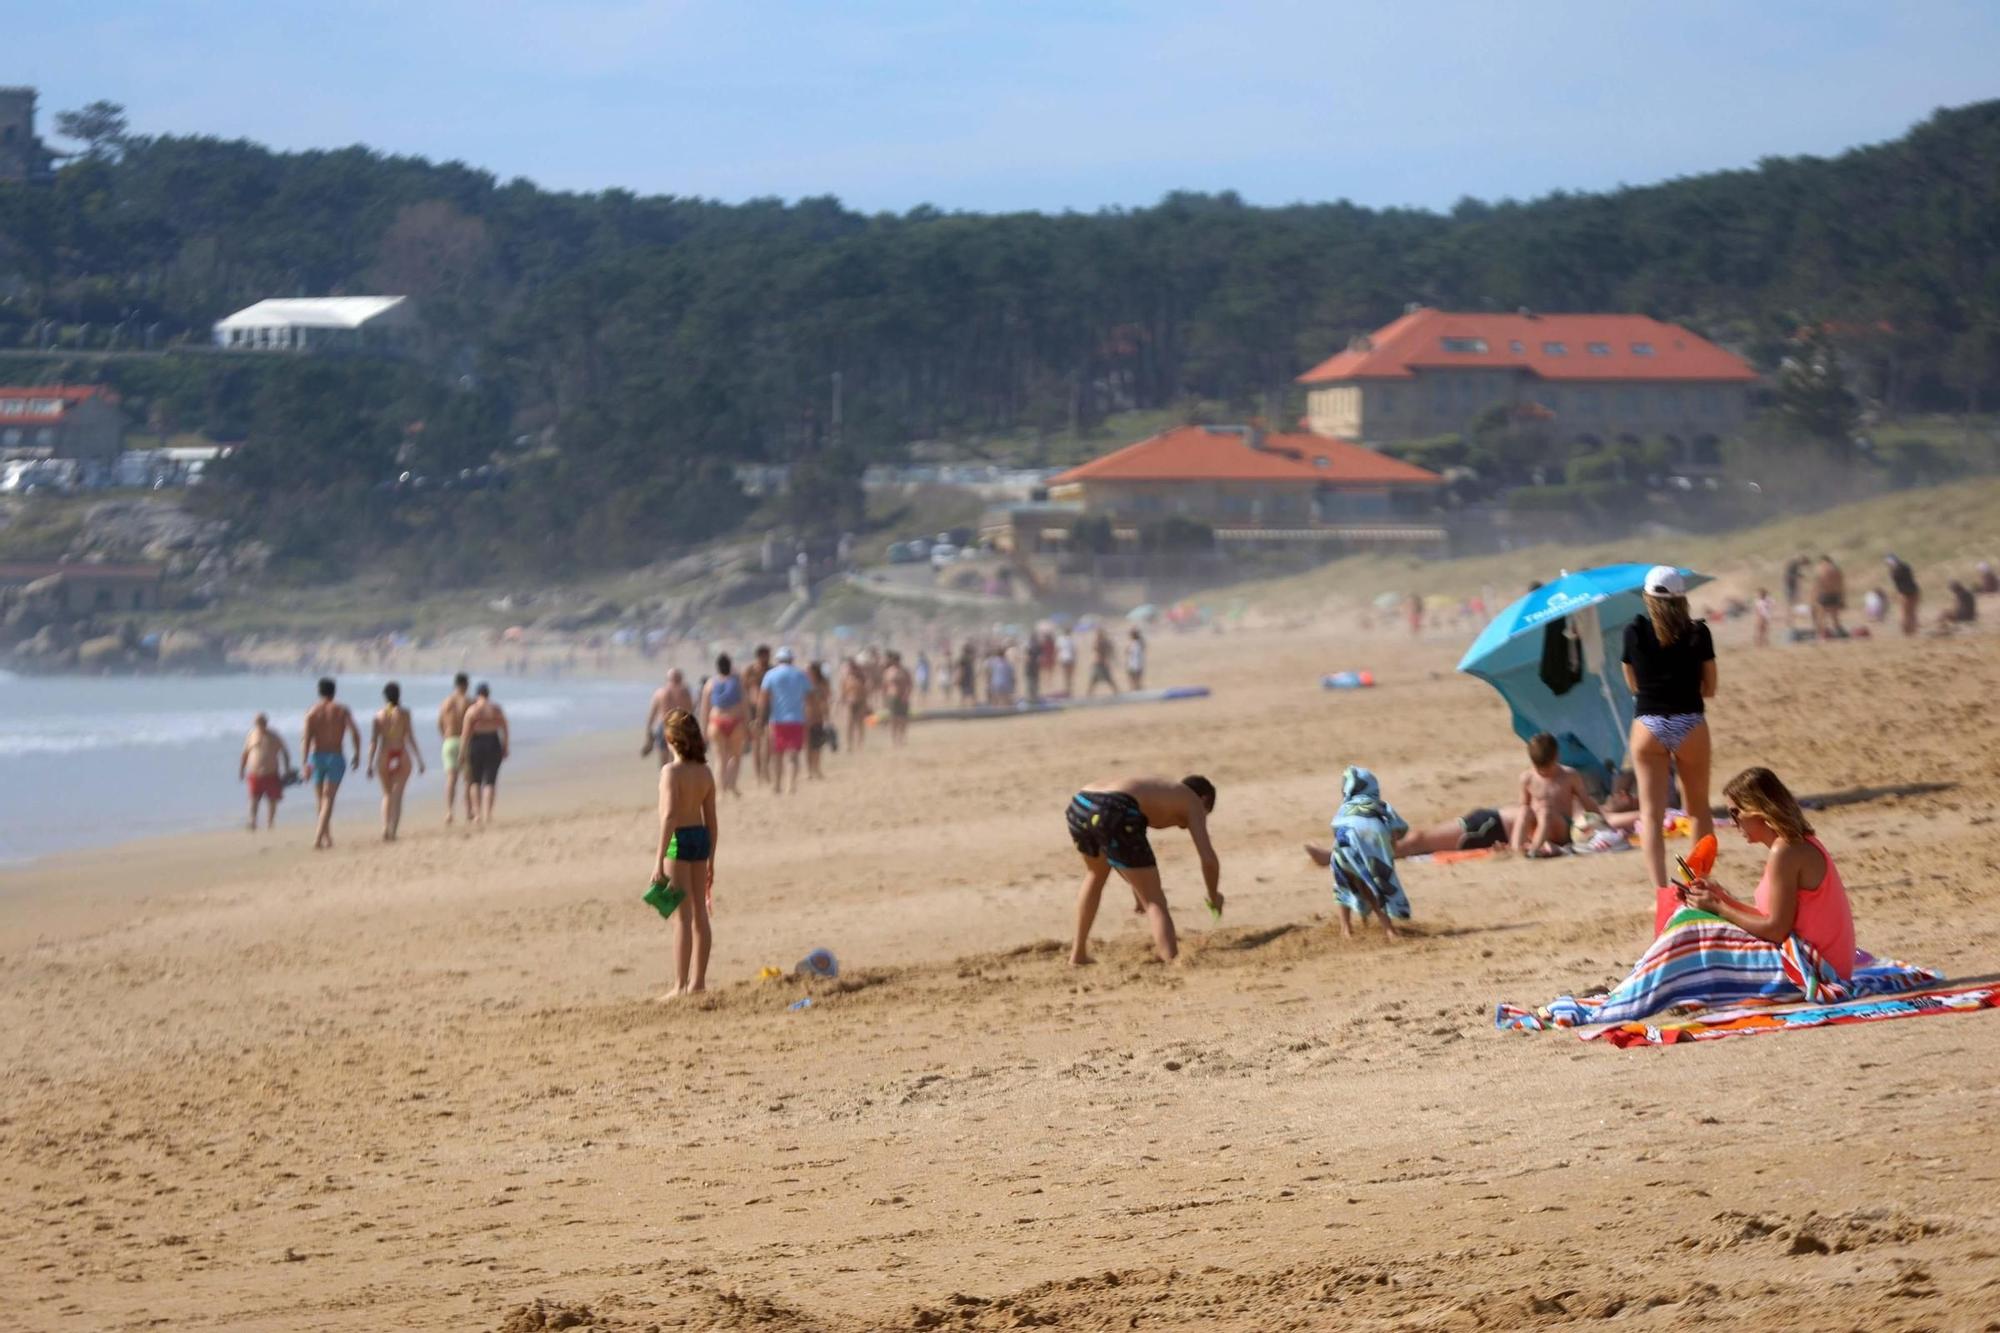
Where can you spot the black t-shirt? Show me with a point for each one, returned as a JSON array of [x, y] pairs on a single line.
[[1904, 579], [1669, 677]]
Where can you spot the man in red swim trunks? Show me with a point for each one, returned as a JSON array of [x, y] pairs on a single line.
[[785, 690], [263, 763]]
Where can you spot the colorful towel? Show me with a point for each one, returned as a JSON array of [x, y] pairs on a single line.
[[1708, 1026], [1700, 959], [1365, 829]]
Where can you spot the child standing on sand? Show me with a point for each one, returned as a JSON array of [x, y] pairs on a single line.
[[1363, 855], [686, 859]]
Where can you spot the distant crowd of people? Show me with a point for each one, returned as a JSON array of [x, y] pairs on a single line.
[[1816, 590]]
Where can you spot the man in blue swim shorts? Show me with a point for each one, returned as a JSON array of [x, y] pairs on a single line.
[[328, 724], [1108, 825]]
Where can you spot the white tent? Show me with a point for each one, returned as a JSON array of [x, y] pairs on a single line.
[[300, 324]]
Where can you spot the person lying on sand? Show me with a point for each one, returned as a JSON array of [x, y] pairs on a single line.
[[1475, 830], [1550, 793], [1108, 823]]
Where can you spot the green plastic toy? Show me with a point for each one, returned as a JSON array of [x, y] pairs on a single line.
[[665, 897]]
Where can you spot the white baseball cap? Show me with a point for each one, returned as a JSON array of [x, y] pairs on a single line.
[[1665, 581], [784, 654]]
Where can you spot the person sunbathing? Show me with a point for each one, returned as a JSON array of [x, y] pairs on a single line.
[[1475, 830]]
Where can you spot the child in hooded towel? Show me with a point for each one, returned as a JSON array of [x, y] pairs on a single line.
[[1365, 829]]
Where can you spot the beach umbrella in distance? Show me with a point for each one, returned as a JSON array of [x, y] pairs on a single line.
[[1388, 601], [1578, 696], [1143, 612], [1059, 620], [844, 632]]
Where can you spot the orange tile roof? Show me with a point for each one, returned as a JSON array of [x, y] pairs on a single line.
[[1634, 347], [69, 393], [1213, 453]]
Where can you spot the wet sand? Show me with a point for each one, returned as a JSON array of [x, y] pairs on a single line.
[[425, 1086]]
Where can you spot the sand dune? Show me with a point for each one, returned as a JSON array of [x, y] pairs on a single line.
[[425, 1087]]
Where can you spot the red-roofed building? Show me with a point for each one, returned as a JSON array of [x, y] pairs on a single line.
[[1585, 378], [1242, 482], [83, 422]]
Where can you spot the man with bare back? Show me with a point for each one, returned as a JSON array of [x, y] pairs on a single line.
[[451, 725], [328, 724], [1108, 823], [674, 696], [488, 741]]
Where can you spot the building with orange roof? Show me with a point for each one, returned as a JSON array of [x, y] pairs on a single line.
[[83, 422], [1249, 485], [1584, 379]]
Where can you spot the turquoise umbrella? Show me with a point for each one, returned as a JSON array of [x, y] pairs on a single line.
[[1590, 714]]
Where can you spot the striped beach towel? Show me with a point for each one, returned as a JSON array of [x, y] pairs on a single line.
[[1702, 960], [1746, 1020]]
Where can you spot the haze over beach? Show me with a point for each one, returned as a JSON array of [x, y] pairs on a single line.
[[1094, 646]]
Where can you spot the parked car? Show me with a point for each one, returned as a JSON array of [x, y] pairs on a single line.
[[942, 554], [901, 554]]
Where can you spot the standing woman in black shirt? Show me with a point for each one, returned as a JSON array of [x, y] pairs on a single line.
[[1670, 665]]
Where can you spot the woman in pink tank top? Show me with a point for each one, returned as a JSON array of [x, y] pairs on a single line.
[[1800, 893]]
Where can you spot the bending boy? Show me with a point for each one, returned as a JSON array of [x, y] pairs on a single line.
[[1108, 824]]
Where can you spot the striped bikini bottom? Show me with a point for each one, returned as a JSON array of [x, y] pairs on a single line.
[[1672, 729]]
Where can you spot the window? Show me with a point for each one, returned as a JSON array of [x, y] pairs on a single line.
[[1555, 349], [1516, 347], [1628, 401], [1463, 344], [138, 599], [1599, 349], [1552, 399], [10, 436], [1642, 349]]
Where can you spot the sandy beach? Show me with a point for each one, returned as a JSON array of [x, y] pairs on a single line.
[[426, 1087]]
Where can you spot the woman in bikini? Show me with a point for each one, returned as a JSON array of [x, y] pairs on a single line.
[[1670, 665], [391, 747], [686, 858], [727, 715]]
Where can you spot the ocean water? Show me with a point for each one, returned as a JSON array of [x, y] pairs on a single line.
[[86, 762]]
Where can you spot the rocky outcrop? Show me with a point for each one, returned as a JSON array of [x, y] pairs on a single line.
[[189, 650]]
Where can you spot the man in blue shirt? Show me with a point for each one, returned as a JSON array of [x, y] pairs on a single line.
[[785, 688]]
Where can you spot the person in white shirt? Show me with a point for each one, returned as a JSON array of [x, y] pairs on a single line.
[[1135, 659]]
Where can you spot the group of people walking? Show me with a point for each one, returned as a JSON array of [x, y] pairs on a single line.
[[475, 739]]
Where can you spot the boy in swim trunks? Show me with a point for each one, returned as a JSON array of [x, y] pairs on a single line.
[[1108, 823], [686, 858], [451, 721], [328, 724], [1550, 793], [263, 763]]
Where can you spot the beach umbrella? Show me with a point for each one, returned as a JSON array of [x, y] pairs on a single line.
[[1144, 611], [1059, 620], [1581, 699]]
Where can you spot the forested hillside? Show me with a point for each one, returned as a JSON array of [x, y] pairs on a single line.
[[640, 345]]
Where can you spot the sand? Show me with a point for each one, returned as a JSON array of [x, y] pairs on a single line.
[[426, 1087]]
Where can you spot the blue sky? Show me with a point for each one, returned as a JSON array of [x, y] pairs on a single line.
[[1029, 104]]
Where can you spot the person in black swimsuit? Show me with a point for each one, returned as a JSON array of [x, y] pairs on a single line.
[[1108, 824]]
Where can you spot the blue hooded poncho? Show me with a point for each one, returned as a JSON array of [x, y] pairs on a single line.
[[1365, 829]]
